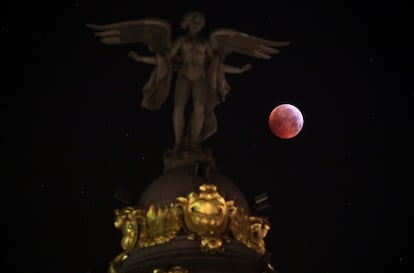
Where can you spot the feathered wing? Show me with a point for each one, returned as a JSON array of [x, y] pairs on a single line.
[[153, 32], [156, 35], [225, 41]]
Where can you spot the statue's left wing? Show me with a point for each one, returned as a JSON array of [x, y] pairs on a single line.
[[223, 42], [226, 40], [153, 32]]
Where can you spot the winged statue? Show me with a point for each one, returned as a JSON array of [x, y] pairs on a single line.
[[199, 64]]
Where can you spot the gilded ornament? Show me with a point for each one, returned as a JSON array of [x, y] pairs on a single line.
[[250, 230], [206, 215]]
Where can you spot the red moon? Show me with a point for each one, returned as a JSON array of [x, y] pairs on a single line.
[[285, 121]]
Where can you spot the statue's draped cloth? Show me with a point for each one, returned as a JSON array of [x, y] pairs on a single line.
[[157, 88]]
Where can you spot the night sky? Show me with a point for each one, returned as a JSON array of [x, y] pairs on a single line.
[[74, 132]]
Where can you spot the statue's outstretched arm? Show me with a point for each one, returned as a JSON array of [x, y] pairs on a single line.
[[236, 70], [142, 59]]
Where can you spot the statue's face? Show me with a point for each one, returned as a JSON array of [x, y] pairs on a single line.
[[194, 21], [197, 21], [207, 212]]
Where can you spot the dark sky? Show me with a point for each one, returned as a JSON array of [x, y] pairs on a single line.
[[74, 132]]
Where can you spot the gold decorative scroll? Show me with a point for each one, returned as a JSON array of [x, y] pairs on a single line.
[[250, 230], [128, 220]]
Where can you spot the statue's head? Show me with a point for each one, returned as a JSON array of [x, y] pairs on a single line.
[[193, 19]]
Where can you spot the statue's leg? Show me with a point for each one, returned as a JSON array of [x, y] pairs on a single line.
[[197, 119], [182, 93]]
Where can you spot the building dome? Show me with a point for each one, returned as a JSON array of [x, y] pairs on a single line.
[[181, 180], [191, 219]]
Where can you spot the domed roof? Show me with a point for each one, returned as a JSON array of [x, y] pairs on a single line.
[[192, 218], [182, 180]]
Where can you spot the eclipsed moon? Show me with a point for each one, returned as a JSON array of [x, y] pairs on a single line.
[[285, 121]]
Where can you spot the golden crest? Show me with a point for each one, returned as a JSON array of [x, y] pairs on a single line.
[[206, 214]]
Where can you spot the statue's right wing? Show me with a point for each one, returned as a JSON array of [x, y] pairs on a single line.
[[154, 33]]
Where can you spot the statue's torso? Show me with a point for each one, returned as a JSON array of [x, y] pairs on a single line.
[[194, 54]]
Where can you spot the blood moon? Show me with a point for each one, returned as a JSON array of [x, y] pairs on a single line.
[[285, 121]]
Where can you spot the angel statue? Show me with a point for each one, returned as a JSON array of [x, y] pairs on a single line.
[[199, 64]]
